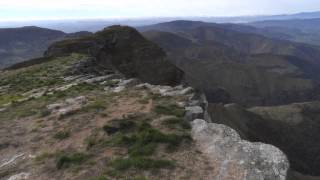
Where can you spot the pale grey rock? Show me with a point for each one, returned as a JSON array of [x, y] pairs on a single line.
[[65, 87], [187, 90], [144, 86], [55, 106], [237, 159], [13, 159], [193, 112], [80, 100], [102, 78], [166, 90], [129, 82], [194, 103], [118, 89], [72, 78], [20, 176], [68, 106]]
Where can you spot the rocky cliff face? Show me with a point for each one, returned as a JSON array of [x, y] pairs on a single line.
[[236, 159], [124, 49]]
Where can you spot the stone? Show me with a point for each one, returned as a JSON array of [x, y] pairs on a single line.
[[187, 90], [193, 112], [118, 89], [78, 100], [54, 106], [129, 82], [69, 105], [194, 103], [234, 158], [20, 176], [166, 90], [102, 78], [65, 87], [11, 160]]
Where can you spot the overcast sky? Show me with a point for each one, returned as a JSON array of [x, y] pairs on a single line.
[[61, 9]]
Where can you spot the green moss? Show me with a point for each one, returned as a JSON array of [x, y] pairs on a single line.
[[45, 112], [176, 123], [141, 163], [61, 135], [116, 125], [170, 109], [99, 178], [65, 160], [145, 140], [9, 98], [140, 178], [43, 156], [37, 76], [96, 106]]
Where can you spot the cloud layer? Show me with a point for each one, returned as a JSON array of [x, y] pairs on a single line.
[[42, 9]]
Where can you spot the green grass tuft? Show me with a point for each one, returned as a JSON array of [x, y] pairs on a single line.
[[141, 163], [170, 109], [176, 122], [61, 135], [144, 141], [99, 178], [64, 160]]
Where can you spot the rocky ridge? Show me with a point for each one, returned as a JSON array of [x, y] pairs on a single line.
[[82, 116]]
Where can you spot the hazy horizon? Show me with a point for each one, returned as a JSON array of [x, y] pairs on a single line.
[[18, 10]]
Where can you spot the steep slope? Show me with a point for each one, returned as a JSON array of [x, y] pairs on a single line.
[[20, 44], [294, 128], [228, 75]]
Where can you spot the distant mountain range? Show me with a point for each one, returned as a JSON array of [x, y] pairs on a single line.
[[233, 66], [94, 25], [20, 44], [299, 30]]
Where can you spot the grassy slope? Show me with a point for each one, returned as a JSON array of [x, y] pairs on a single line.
[[132, 134]]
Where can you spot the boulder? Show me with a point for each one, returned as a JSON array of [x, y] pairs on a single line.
[[234, 158], [193, 112]]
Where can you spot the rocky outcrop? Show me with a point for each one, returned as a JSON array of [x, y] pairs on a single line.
[[126, 50], [194, 112], [237, 159]]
